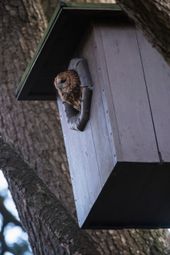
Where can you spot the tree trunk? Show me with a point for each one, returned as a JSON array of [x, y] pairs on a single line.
[[33, 130], [153, 17]]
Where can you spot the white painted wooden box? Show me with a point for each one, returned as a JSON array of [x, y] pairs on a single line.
[[120, 164]]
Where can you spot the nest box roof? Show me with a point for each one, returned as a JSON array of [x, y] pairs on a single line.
[[67, 27]]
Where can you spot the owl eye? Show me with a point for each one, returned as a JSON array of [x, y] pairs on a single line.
[[63, 80]]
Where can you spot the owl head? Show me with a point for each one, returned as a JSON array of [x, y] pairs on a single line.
[[60, 81]]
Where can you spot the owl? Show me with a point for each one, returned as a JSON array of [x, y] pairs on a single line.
[[68, 86]]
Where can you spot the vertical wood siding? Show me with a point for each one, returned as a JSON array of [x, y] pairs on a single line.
[[77, 167], [157, 75], [104, 147], [126, 85]]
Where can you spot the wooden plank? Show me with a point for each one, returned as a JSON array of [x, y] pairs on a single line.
[[102, 74], [83, 166], [100, 132], [129, 96], [89, 162], [157, 75], [77, 172]]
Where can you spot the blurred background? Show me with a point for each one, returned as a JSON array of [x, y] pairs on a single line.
[[13, 238]]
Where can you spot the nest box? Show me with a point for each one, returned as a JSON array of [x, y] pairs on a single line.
[[120, 163]]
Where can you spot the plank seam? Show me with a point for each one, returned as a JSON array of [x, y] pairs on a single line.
[[149, 101]]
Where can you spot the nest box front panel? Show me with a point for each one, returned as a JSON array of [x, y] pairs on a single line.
[[84, 164]]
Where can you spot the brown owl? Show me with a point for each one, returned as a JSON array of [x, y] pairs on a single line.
[[68, 86]]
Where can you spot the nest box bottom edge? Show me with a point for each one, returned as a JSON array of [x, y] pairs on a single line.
[[136, 195]]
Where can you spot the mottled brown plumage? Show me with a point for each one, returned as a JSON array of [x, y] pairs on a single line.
[[68, 86]]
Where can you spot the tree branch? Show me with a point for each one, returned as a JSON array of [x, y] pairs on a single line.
[[47, 216]]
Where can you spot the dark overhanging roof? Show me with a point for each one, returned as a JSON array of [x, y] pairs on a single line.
[[67, 27]]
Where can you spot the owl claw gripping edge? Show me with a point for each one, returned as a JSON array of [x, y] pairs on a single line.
[[69, 88]]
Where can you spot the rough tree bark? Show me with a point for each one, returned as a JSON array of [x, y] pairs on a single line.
[[153, 17], [42, 214], [33, 130]]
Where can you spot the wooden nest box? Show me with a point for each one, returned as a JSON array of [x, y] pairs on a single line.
[[120, 163]]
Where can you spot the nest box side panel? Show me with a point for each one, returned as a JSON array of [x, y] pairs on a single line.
[[125, 89], [157, 75]]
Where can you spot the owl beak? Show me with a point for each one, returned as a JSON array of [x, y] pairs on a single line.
[[59, 85]]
